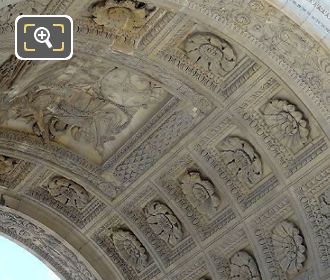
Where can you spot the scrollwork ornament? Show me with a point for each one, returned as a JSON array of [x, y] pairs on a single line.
[[287, 123], [164, 223], [211, 52], [200, 193], [288, 246], [68, 192], [130, 249], [242, 160], [243, 267]]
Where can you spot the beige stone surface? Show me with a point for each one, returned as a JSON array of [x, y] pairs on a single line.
[[185, 140]]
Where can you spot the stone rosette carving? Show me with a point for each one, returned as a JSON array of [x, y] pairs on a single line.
[[242, 160], [211, 52], [163, 222], [68, 192], [7, 164], [126, 15], [200, 193], [130, 249], [288, 246], [244, 267], [287, 123]]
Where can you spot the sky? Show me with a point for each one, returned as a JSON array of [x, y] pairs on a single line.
[[18, 264]]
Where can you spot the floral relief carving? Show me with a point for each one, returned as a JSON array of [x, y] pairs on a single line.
[[125, 15], [200, 193], [242, 160], [68, 192], [244, 267], [7, 164], [287, 123], [211, 52], [130, 249], [164, 223], [288, 246]]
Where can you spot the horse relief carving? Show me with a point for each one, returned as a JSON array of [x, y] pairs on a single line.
[[289, 249], [126, 15], [130, 249], [68, 192], [163, 222], [242, 160], [243, 267], [211, 52], [200, 193], [287, 124], [93, 114]]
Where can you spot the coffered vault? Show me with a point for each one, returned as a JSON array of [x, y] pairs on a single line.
[[184, 140]]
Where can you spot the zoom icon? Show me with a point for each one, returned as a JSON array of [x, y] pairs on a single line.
[[44, 37]]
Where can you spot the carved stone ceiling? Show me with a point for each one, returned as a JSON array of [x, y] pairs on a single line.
[[184, 140]]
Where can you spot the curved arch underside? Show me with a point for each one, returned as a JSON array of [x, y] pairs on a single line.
[[184, 140]]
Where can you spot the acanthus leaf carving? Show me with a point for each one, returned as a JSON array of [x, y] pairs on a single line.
[[243, 267], [288, 246], [130, 249], [242, 160], [200, 193], [163, 222], [68, 192], [287, 123], [211, 52]]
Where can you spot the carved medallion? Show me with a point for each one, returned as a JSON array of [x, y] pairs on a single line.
[[68, 192], [200, 193], [244, 267], [130, 249], [287, 123], [163, 222], [289, 249], [242, 160], [125, 15], [211, 52]]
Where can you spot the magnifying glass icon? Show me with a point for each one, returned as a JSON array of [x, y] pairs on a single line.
[[42, 35]]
